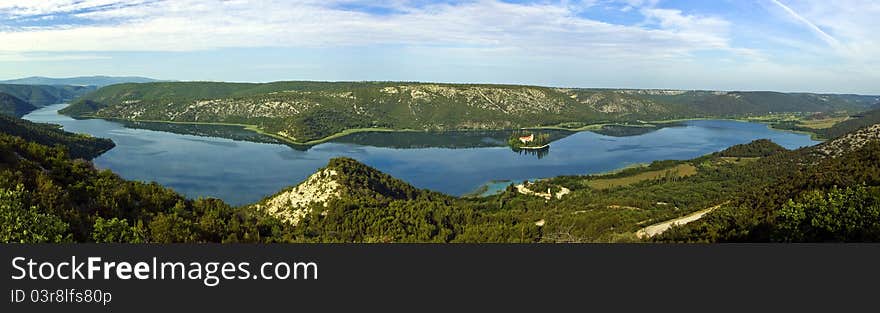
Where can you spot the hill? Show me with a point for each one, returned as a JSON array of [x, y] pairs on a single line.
[[13, 106], [99, 81], [76, 145], [839, 125], [303, 112], [829, 192], [858, 121], [43, 95], [757, 148], [762, 102], [342, 178], [46, 196]]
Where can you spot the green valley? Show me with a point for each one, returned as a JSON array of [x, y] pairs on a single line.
[[756, 192]]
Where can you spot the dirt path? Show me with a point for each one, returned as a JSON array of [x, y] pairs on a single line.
[[659, 228], [523, 189]]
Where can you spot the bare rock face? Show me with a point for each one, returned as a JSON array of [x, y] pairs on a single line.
[[849, 142], [294, 204]]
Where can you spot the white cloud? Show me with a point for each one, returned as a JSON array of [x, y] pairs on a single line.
[[818, 31], [43, 57], [186, 25], [664, 47], [18, 8]]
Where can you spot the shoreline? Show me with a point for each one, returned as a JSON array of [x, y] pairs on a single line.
[[480, 189], [534, 148], [256, 129], [588, 127]]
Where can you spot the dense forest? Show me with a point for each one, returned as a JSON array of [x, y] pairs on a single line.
[[303, 112], [77, 145], [47, 196], [832, 199]]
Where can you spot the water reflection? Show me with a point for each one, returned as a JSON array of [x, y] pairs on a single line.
[[200, 163], [539, 153]]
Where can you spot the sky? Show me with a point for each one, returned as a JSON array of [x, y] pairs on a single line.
[[781, 45]]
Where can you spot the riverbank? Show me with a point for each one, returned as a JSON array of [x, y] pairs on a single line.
[[587, 127], [243, 172], [257, 129], [535, 148], [770, 124]]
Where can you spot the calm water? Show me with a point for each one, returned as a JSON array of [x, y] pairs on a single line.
[[241, 172]]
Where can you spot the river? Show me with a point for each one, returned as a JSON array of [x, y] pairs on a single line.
[[455, 163]]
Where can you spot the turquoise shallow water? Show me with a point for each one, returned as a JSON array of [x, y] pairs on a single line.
[[241, 172]]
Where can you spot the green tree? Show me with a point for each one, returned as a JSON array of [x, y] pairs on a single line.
[[850, 214], [171, 228], [25, 224], [115, 230]]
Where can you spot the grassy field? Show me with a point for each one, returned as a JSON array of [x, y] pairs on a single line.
[[822, 123], [737, 160], [682, 170]]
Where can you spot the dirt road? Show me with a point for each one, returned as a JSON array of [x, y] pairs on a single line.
[[659, 228]]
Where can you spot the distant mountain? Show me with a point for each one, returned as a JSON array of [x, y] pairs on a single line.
[[99, 81], [11, 105], [43, 95], [303, 112]]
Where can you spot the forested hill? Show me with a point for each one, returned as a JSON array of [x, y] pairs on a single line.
[[858, 121], [43, 95], [46, 196], [757, 148], [306, 111], [10, 105], [343, 180], [830, 192], [76, 145]]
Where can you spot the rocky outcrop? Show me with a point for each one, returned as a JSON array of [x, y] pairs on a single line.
[[849, 142], [342, 179], [294, 204]]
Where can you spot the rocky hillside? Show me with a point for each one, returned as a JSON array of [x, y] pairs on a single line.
[[343, 179], [849, 142], [306, 111], [13, 106]]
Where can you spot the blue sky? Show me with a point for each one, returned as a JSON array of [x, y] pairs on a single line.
[[784, 45]]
